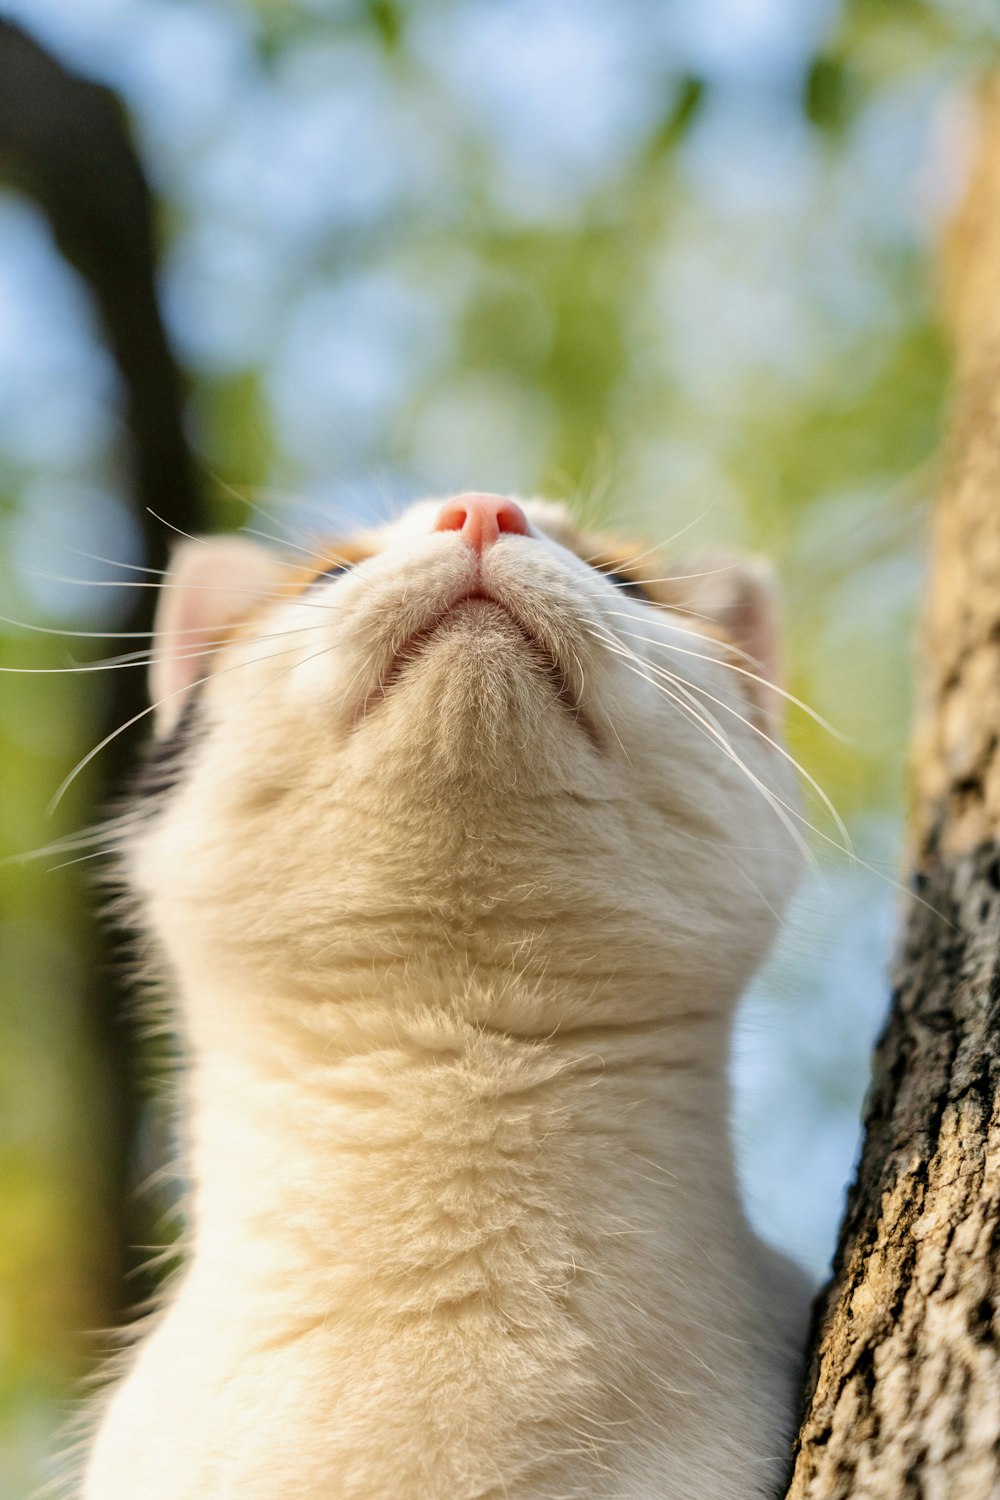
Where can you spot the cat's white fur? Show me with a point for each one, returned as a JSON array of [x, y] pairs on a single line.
[[455, 967]]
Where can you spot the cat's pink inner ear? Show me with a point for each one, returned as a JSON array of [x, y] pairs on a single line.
[[209, 586], [742, 596], [754, 616]]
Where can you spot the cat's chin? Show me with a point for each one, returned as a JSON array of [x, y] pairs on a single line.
[[477, 671]]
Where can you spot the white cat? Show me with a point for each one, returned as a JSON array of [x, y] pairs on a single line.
[[473, 845]]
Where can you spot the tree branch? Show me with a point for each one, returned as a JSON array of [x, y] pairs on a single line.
[[64, 141]]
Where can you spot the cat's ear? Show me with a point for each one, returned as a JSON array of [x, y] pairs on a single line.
[[741, 595], [209, 585]]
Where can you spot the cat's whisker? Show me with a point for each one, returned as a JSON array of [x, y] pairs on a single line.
[[361, 672], [679, 577], [336, 561], [711, 727], [769, 740], [278, 677], [111, 562], [102, 834], [188, 536], [115, 562], [282, 542], [81, 765], [657, 613], [756, 729], [99, 635], [846, 848], [292, 536], [148, 655], [660, 546], [730, 666], [619, 647], [79, 860], [249, 494], [281, 596], [111, 665]]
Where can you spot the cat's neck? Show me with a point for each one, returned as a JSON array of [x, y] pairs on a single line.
[[411, 1134], [465, 1232]]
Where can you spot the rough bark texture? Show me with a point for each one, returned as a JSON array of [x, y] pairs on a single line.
[[904, 1391]]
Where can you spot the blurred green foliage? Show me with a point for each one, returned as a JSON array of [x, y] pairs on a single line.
[[718, 326]]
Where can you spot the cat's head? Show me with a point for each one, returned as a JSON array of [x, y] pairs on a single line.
[[473, 738]]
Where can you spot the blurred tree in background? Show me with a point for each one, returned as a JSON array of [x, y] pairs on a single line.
[[667, 262]]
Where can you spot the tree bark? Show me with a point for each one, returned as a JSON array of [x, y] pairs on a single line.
[[903, 1395]]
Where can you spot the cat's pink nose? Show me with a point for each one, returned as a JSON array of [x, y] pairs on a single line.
[[481, 519]]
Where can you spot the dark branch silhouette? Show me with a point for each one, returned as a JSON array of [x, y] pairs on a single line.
[[65, 143]]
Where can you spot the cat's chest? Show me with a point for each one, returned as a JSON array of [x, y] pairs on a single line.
[[341, 1411]]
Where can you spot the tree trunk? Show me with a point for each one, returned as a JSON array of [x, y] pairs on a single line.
[[903, 1397]]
